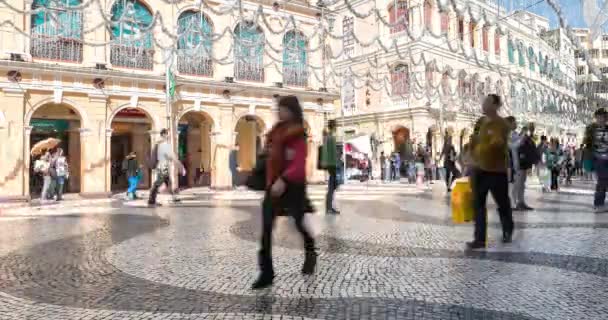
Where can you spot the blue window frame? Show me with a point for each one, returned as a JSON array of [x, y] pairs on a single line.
[[56, 30], [195, 44], [249, 52], [531, 58], [131, 33], [295, 59]]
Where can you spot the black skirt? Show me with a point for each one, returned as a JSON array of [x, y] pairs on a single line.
[[294, 201]]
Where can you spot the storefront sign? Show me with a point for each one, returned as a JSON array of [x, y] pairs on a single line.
[[50, 125]]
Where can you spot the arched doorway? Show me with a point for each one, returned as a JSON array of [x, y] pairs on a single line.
[[130, 133], [63, 122], [194, 148], [248, 142], [401, 135]]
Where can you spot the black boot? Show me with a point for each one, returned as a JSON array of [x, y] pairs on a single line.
[[266, 276], [310, 260]]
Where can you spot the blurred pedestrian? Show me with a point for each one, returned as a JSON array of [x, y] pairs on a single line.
[[286, 186], [329, 159], [490, 145]]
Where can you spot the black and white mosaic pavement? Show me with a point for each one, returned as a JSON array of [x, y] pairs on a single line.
[[394, 257]]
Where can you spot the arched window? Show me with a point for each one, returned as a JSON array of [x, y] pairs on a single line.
[[511, 52], [428, 15], [295, 59], [194, 45], [461, 28], [485, 41], [445, 22], [541, 67], [531, 58], [248, 52], [497, 43], [473, 34], [398, 17], [520, 50], [523, 104], [56, 30], [132, 45], [464, 86], [400, 81], [533, 101]]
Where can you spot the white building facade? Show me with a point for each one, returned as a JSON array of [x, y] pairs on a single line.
[[419, 67]]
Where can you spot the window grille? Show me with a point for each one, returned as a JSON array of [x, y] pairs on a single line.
[[398, 17], [400, 80], [132, 44], [295, 59], [56, 30], [194, 46], [249, 52]]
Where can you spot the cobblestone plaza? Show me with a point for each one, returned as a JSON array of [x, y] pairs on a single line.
[[393, 253]]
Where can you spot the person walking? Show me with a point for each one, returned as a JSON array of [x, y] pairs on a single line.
[[286, 186], [133, 175], [554, 162], [382, 166], [329, 159], [578, 158], [164, 158], [448, 154], [60, 172], [596, 140], [44, 167], [490, 145], [544, 176], [527, 156], [397, 166]]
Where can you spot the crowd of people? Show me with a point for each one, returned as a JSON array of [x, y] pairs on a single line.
[[498, 159]]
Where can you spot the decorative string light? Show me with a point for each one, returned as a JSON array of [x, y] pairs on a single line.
[[259, 17]]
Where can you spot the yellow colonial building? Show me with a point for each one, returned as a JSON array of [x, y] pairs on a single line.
[[93, 73]]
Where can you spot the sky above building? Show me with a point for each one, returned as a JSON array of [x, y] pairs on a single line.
[[572, 10]]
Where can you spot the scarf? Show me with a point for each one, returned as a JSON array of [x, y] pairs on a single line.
[[281, 134]]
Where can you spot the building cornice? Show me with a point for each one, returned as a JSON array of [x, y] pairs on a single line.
[[241, 87]]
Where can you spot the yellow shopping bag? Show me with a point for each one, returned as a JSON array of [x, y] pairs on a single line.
[[462, 201]]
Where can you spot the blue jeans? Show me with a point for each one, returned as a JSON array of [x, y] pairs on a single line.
[[133, 182], [601, 169], [59, 183]]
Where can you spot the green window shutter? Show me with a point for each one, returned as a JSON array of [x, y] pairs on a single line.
[[510, 51]]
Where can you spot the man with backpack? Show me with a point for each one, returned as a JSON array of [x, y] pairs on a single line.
[[161, 158], [329, 162], [527, 157]]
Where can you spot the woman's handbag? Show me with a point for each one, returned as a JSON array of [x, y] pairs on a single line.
[[257, 179]]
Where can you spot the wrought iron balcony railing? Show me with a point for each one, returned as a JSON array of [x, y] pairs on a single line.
[[194, 65], [132, 57], [248, 71], [56, 48], [295, 77]]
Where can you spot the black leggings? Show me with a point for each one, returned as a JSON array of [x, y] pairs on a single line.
[[554, 178], [268, 215], [451, 173]]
